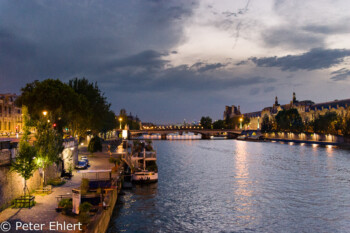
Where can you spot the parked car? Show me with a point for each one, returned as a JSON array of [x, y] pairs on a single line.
[[82, 164], [85, 159]]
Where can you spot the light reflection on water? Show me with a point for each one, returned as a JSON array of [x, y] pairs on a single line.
[[238, 186]]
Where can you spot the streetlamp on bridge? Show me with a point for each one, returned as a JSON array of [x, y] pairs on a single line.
[[240, 122]]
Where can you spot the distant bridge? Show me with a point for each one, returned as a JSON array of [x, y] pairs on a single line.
[[205, 133]]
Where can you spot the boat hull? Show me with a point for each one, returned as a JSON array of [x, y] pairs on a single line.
[[144, 177]]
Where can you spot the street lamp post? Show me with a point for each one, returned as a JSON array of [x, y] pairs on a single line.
[[240, 122], [120, 122]]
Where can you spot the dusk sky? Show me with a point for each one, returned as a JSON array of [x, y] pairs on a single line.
[[167, 61]]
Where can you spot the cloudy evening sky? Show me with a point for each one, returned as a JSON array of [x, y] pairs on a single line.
[[170, 60]]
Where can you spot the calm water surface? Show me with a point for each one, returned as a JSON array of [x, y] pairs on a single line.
[[237, 186]]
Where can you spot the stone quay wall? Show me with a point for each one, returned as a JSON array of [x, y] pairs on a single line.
[[11, 183], [310, 137], [101, 221]]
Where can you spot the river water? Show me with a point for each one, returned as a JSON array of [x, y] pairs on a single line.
[[238, 186]]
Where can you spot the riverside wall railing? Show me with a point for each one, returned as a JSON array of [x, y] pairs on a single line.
[[308, 137]]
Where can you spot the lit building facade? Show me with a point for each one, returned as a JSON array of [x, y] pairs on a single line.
[[10, 115], [307, 109]]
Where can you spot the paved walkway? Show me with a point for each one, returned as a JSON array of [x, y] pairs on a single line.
[[44, 211]]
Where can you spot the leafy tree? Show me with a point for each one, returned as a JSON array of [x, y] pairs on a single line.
[[346, 124], [95, 144], [78, 106], [53, 96], [25, 164], [49, 144], [329, 123], [219, 124], [133, 125], [266, 125], [109, 122], [98, 117], [289, 120], [234, 122], [206, 122]]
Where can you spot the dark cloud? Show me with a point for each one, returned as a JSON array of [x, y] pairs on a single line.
[[145, 59], [312, 60], [291, 37], [63, 39], [241, 63], [203, 67], [339, 28], [182, 79], [341, 74]]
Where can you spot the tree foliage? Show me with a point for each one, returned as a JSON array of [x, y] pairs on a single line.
[[206, 122], [266, 125], [79, 106], [289, 120], [50, 95], [48, 143], [219, 124], [95, 144], [234, 122], [25, 164], [329, 123], [346, 124], [133, 124], [99, 117]]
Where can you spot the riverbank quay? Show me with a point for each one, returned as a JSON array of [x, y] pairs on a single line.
[[301, 138], [100, 221], [11, 183], [44, 212], [305, 142]]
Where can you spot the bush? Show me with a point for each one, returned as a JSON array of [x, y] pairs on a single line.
[[84, 216], [95, 144], [66, 204], [56, 182], [85, 207]]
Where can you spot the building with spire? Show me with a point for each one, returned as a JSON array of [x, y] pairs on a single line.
[[231, 111], [307, 109]]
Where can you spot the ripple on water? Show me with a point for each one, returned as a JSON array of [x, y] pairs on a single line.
[[236, 186]]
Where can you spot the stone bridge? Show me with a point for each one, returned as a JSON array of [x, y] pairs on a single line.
[[205, 133]]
